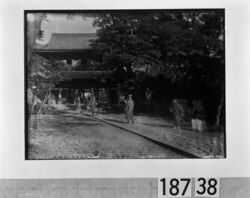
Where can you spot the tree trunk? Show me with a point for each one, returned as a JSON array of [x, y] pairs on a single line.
[[44, 101], [219, 109], [118, 94], [34, 22]]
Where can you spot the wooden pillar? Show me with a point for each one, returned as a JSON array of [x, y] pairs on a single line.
[[82, 95], [118, 90], [60, 96], [97, 95], [107, 95], [68, 95], [75, 95], [49, 97], [69, 61], [71, 95]]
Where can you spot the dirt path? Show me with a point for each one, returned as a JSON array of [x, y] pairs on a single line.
[[68, 135]]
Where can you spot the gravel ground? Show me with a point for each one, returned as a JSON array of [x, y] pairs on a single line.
[[68, 135]]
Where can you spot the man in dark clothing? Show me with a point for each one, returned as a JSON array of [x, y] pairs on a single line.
[[93, 104], [129, 109], [177, 111]]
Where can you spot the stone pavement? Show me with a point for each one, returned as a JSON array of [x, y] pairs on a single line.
[[206, 144]]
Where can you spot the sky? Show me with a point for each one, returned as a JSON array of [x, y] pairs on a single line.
[[61, 23]]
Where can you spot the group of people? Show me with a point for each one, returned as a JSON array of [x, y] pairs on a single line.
[[175, 109], [91, 104]]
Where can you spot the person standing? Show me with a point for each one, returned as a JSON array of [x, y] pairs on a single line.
[[177, 111], [93, 104], [35, 104], [78, 104], [129, 109]]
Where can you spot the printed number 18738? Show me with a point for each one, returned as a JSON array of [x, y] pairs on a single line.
[[182, 187]]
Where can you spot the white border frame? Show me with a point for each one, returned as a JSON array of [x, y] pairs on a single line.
[[12, 163]]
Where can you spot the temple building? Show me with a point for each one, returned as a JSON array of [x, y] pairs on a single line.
[[73, 50]]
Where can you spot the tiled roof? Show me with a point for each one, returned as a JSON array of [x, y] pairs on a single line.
[[69, 41], [86, 74]]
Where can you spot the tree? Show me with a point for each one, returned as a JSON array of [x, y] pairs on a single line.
[[41, 74], [34, 32], [186, 47]]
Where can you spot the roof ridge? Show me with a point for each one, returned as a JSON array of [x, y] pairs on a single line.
[[70, 41]]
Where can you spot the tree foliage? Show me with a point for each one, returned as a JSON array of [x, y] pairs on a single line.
[[180, 45], [186, 48]]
